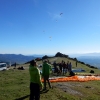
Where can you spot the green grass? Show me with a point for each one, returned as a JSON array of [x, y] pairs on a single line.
[[14, 85]]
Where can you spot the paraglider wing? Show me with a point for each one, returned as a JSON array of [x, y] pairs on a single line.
[[61, 13]]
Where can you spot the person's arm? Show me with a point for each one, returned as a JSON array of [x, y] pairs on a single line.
[[50, 68], [39, 79], [42, 69]]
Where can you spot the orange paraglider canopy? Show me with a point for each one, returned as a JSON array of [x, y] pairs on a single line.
[[75, 78]]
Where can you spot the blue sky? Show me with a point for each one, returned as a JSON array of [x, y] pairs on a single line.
[[49, 26]]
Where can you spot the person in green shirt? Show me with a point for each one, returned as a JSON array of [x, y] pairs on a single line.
[[45, 73], [35, 81]]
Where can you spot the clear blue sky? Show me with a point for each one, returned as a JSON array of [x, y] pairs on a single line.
[[49, 26]]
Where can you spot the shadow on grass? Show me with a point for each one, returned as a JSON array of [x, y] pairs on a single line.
[[45, 91], [22, 98]]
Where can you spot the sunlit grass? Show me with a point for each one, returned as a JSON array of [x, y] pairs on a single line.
[[14, 85]]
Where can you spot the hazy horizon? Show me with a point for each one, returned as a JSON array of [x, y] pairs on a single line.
[[70, 54]]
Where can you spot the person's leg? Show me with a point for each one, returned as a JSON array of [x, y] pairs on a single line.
[[57, 71], [47, 78], [69, 72], [31, 91], [63, 71], [54, 70], [37, 92], [44, 82]]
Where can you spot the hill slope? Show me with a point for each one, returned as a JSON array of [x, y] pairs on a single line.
[[17, 86]]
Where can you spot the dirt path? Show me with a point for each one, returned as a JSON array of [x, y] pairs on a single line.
[[68, 87]]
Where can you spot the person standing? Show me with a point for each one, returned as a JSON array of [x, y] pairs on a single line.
[[60, 67], [35, 81], [76, 63], [64, 67], [69, 67], [55, 67], [71, 73], [15, 65], [45, 73]]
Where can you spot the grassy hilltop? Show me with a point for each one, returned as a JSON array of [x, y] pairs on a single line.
[[14, 85]]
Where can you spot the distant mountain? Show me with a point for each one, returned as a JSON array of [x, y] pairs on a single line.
[[39, 55], [20, 59], [85, 54], [92, 60], [92, 54], [35, 55]]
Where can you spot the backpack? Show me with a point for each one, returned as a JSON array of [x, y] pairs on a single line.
[[72, 73]]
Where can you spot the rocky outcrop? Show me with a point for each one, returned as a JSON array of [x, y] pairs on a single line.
[[58, 54]]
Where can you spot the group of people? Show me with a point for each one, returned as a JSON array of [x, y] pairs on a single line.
[[35, 76], [62, 67], [35, 79]]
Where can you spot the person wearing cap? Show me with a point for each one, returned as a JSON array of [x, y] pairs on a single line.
[[35, 81], [45, 73]]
